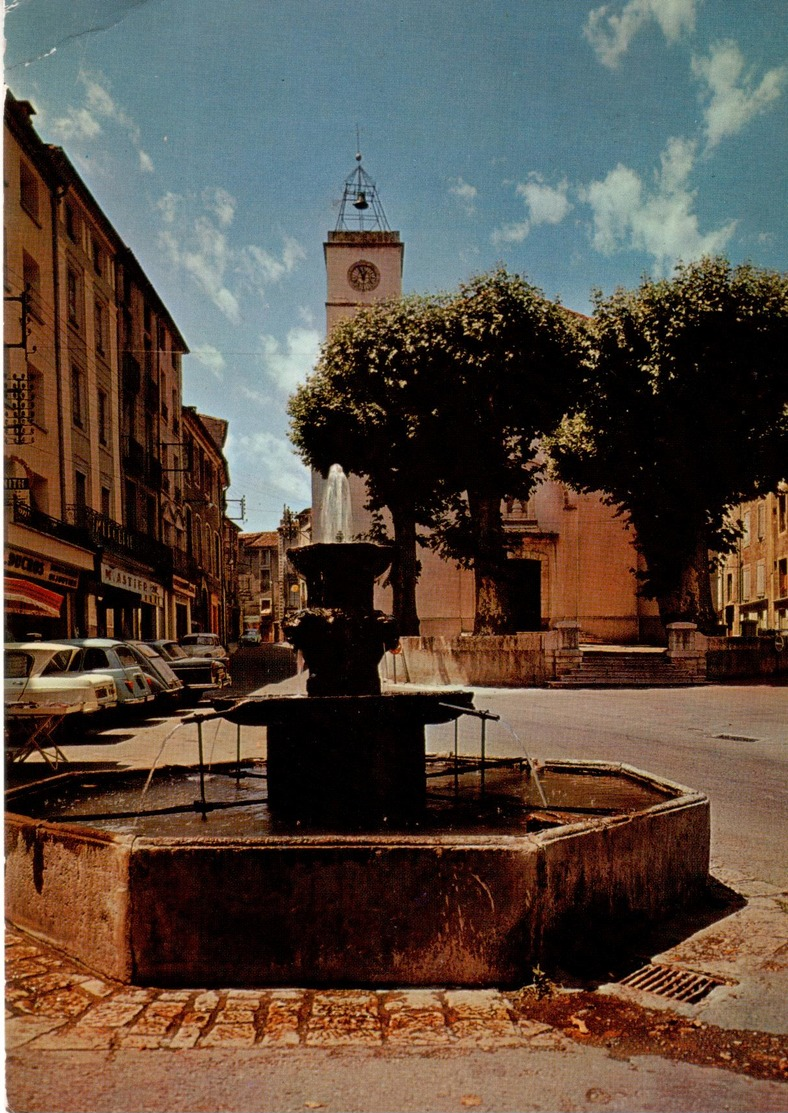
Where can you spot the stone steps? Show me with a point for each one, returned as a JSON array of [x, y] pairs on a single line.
[[622, 669]]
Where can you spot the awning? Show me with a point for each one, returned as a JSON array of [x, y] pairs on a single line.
[[24, 597]]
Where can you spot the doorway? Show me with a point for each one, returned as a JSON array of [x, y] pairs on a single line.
[[525, 578]]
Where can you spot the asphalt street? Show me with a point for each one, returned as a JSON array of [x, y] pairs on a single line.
[[418, 1049]]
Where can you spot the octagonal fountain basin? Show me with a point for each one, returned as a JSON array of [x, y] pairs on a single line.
[[487, 884]]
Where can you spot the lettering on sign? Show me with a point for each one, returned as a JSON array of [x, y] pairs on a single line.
[[122, 578], [40, 569]]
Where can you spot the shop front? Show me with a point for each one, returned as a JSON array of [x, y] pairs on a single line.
[[44, 597], [129, 604]]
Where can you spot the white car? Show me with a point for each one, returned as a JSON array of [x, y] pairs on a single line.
[[37, 682], [204, 645]]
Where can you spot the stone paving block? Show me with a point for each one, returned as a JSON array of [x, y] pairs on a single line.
[[68, 1003], [20, 1030], [113, 1013], [480, 1016], [183, 995], [229, 1035], [206, 1001], [415, 1017], [282, 1018], [185, 1037], [343, 1017], [157, 1018], [234, 1013], [96, 987], [27, 968]]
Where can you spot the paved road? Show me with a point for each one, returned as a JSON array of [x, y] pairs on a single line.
[[78, 1042]]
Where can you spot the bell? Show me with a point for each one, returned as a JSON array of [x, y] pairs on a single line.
[[361, 202]]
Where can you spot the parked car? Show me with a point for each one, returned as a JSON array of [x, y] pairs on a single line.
[[38, 682], [199, 674], [166, 687], [250, 637], [110, 655], [204, 645]]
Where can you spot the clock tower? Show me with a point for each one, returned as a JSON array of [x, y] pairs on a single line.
[[363, 265]]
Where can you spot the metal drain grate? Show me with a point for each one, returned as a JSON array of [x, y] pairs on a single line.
[[671, 982]]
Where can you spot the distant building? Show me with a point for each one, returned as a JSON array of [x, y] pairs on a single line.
[[205, 486], [258, 584], [752, 582]]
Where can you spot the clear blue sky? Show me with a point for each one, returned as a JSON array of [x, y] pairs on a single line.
[[580, 145]]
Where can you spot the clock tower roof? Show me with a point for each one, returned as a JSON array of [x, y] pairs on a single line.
[[360, 209]]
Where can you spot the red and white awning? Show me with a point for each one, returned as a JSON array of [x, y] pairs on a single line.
[[25, 597]]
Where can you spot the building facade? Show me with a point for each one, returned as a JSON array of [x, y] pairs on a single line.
[[258, 583], [751, 583], [94, 466]]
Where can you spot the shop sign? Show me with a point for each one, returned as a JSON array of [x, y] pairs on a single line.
[[40, 569], [122, 578], [16, 483]]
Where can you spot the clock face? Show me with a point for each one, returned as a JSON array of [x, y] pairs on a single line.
[[363, 275]]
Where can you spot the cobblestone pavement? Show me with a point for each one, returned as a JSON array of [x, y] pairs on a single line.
[[54, 1005]]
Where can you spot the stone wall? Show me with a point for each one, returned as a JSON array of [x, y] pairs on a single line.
[[730, 658], [509, 661]]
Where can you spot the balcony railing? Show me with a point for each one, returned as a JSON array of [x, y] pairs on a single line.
[[185, 566], [107, 534], [26, 515]]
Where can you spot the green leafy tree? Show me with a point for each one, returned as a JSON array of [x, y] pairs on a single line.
[[511, 364], [684, 414], [372, 405]]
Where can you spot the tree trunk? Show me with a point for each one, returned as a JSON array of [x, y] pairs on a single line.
[[493, 591], [690, 600], [404, 571]]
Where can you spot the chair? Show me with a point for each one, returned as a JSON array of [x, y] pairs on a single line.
[[40, 737]]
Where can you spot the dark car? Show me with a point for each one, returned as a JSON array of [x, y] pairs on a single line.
[[198, 674]]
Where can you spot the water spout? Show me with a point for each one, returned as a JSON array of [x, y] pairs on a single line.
[[335, 513]]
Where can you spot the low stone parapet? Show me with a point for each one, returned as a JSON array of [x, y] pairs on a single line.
[[487, 661]]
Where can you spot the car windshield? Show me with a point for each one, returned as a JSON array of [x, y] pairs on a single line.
[[201, 639], [172, 651]]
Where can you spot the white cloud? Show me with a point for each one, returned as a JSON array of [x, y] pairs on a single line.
[[273, 463], [195, 237], [465, 193], [210, 358], [546, 204], [86, 122], [610, 33], [660, 221], [289, 366], [731, 95]]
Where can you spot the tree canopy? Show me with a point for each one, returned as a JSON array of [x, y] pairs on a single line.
[[438, 403], [683, 414]]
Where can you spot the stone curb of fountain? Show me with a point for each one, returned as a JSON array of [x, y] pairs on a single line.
[[53, 1005]]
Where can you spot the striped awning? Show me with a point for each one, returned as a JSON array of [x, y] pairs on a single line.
[[25, 597]]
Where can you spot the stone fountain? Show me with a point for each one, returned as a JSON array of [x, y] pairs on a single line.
[[366, 862]]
